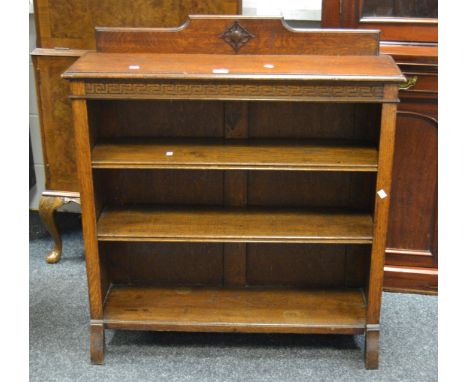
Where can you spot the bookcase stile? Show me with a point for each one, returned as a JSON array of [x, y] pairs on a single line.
[[382, 205], [97, 285], [235, 199]]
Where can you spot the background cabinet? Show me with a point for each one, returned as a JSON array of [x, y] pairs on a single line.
[[409, 34], [411, 255]]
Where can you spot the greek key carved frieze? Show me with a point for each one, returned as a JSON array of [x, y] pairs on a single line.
[[257, 90]]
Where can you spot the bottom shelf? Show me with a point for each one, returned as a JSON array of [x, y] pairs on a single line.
[[264, 310]]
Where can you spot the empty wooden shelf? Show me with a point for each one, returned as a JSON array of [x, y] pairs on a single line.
[[234, 225], [237, 155], [232, 310], [235, 176]]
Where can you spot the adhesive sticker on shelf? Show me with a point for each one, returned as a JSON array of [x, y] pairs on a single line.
[[220, 71], [382, 193], [169, 153], [269, 66], [134, 67]]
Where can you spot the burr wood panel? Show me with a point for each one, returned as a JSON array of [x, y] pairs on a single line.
[[61, 23]]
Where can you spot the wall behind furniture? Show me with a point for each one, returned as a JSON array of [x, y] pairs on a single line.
[[34, 129], [290, 10]]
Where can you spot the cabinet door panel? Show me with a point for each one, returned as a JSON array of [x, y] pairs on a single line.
[[413, 217]]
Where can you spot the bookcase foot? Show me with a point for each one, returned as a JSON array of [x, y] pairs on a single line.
[[97, 343], [372, 346]]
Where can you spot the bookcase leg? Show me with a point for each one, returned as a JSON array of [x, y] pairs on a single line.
[[372, 346], [97, 343]]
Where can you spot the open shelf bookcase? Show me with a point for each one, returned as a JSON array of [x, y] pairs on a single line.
[[235, 177]]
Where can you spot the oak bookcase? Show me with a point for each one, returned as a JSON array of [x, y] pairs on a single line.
[[235, 177]]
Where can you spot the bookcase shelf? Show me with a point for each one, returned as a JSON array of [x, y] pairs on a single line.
[[233, 225], [340, 311], [235, 188], [234, 155]]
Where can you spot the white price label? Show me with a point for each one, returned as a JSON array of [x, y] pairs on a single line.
[[382, 193]]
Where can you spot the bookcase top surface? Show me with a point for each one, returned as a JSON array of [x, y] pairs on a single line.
[[97, 65]]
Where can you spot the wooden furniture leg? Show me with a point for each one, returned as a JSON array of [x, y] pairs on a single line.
[[97, 343], [372, 346], [49, 203]]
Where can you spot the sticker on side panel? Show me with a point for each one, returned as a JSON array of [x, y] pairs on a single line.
[[382, 193]]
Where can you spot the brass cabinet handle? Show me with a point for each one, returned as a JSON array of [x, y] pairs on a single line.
[[410, 82]]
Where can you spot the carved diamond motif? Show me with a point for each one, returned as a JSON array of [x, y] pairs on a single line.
[[236, 36]]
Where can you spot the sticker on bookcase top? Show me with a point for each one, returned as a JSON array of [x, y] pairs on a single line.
[[134, 67], [220, 71], [169, 153], [382, 193]]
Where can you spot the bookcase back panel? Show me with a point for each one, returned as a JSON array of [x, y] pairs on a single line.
[[307, 265], [298, 265], [129, 119], [120, 187], [262, 188], [311, 189], [163, 263], [314, 120], [217, 119]]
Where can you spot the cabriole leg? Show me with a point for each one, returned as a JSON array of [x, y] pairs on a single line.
[[49, 203], [372, 346], [47, 207], [97, 343]]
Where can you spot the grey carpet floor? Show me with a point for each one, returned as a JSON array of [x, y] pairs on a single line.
[[59, 338]]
